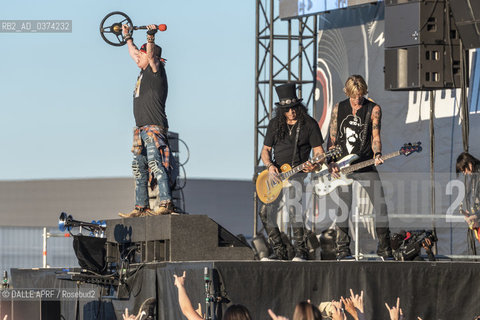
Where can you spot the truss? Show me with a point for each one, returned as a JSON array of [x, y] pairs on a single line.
[[286, 51]]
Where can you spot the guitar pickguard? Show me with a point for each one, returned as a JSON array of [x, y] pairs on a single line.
[[326, 183]]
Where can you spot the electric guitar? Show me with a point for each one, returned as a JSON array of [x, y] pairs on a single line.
[[325, 182], [268, 189], [472, 225]]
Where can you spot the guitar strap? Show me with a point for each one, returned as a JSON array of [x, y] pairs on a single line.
[[296, 143], [368, 120]]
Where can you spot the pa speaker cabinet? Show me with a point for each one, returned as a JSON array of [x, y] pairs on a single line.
[[467, 20], [413, 23], [422, 67]]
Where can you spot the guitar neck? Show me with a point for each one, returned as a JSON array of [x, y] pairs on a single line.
[[297, 169], [367, 163]]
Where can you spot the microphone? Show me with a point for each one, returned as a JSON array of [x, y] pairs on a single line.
[[161, 27]]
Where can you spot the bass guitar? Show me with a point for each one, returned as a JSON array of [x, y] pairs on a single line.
[[325, 182], [268, 189]]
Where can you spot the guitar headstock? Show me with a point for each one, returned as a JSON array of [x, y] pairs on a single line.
[[409, 148], [333, 153]]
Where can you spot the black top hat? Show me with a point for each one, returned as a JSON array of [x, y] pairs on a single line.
[[287, 95]]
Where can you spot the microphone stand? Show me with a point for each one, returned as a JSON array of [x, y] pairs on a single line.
[[208, 295]]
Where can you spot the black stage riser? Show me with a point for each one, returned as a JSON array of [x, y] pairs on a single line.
[[175, 238], [431, 290]]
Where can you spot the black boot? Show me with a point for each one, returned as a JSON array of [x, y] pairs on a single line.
[[328, 244], [299, 244], [288, 245], [343, 243], [279, 249], [268, 216], [384, 249]]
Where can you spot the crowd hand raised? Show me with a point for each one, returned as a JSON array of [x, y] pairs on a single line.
[[199, 309], [152, 29], [125, 316], [180, 281], [274, 316], [349, 307], [357, 300], [395, 312], [337, 311]]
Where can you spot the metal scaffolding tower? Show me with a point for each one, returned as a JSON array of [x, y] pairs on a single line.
[[286, 51]]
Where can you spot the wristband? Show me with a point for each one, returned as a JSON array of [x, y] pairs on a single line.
[[150, 39], [377, 154], [127, 37], [269, 165], [152, 31]]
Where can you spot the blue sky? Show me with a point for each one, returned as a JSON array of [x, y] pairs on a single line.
[[66, 98]]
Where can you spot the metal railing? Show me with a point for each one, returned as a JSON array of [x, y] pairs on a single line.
[[46, 235]]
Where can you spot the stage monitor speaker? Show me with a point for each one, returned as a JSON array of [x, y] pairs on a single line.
[[422, 67], [467, 20], [413, 23]]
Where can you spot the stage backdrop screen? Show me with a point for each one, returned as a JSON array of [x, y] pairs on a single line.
[[294, 8]]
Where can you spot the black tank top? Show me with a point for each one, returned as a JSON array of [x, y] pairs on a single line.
[[354, 132], [149, 98]]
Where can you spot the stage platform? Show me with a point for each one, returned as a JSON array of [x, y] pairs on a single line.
[[431, 290]]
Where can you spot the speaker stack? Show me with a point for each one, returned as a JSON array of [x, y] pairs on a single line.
[[467, 20], [422, 46]]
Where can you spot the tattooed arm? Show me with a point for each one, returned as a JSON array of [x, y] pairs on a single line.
[[266, 156], [376, 140], [333, 125], [332, 166]]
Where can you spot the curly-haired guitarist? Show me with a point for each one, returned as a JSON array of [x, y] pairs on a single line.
[[290, 137]]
